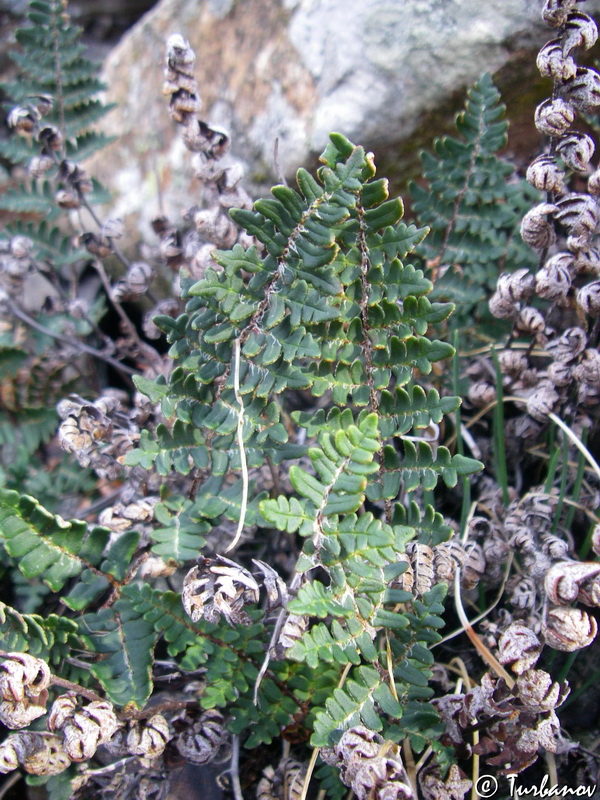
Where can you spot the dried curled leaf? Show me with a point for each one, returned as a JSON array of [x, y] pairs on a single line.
[[23, 675], [583, 89], [552, 62], [568, 629], [454, 787], [578, 213], [203, 741], [148, 738], [371, 766], [36, 753], [546, 175], [564, 579], [537, 229], [568, 346], [542, 402], [87, 729], [519, 648], [219, 587], [555, 12], [588, 298], [576, 150], [554, 117], [553, 280], [277, 593], [538, 692], [284, 783], [62, 709], [580, 31]]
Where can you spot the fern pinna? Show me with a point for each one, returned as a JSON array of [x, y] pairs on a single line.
[[323, 308]]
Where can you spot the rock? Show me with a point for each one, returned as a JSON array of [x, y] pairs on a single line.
[[294, 70]]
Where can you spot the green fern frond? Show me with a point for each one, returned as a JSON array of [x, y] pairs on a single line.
[[472, 208]]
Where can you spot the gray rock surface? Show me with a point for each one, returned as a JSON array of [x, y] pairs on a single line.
[[294, 70]]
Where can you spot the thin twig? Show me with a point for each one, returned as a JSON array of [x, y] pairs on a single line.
[[577, 442], [294, 585], [483, 651], [234, 769], [240, 440], [85, 348], [75, 687], [93, 773], [485, 613], [128, 325], [9, 783]]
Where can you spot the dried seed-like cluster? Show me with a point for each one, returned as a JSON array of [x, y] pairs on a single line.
[[220, 176], [371, 766], [430, 565], [98, 433], [24, 680], [284, 783], [84, 730], [204, 740], [517, 722], [570, 216], [219, 587], [37, 753]]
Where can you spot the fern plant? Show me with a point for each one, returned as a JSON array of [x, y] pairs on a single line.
[[53, 68], [324, 306], [473, 202], [53, 102]]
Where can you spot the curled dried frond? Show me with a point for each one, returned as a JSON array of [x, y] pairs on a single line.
[[219, 587], [559, 374], [580, 30], [23, 676], [277, 593], [421, 558], [371, 766], [555, 12], [481, 394], [293, 630], [583, 89], [578, 213], [148, 738], [587, 370], [568, 629], [554, 117], [576, 150], [553, 280], [512, 362], [86, 730], [564, 579], [552, 62], [546, 175], [284, 783], [538, 692], [138, 277], [203, 741], [542, 402], [568, 346], [454, 787], [537, 229], [588, 298], [519, 648], [62, 709]]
